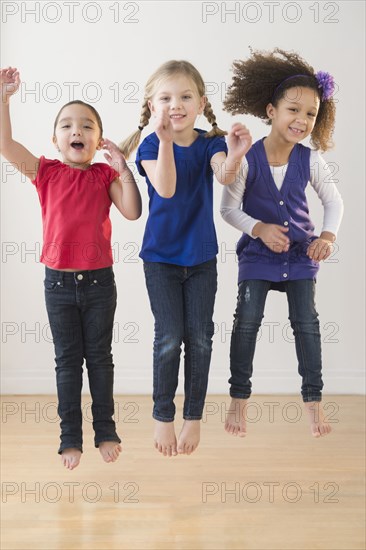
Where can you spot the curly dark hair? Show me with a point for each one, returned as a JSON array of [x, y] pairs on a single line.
[[261, 80]]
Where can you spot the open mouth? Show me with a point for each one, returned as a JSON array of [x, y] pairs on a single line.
[[77, 145], [177, 117]]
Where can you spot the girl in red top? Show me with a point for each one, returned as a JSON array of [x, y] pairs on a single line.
[[80, 291]]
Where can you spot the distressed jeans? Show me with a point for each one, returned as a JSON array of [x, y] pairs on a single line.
[[80, 309], [182, 302], [303, 317]]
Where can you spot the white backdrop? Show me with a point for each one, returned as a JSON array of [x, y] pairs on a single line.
[[103, 53]]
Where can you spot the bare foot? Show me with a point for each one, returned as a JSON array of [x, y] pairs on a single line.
[[318, 425], [110, 450], [235, 423], [164, 438], [189, 437], [70, 457]]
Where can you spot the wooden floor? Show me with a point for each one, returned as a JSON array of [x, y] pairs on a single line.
[[278, 488]]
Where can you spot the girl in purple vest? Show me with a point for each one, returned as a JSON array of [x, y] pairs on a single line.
[[278, 249]]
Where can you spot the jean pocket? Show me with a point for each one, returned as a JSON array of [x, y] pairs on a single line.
[[51, 286], [150, 268], [105, 282]]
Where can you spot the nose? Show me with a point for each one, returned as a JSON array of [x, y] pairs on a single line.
[[176, 103], [301, 120], [76, 132]]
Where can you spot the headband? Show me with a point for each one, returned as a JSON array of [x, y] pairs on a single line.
[[325, 83]]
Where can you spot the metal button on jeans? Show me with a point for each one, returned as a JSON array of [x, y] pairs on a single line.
[[80, 277]]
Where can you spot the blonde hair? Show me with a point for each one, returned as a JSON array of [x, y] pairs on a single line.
[[165, 71]]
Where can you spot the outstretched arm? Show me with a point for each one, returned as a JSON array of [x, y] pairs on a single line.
[[226, 168], [123, 191], [14, 152]]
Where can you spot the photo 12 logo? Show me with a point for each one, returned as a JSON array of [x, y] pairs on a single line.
[[269, 12], [268, 491], [70, 12], [69, 491]]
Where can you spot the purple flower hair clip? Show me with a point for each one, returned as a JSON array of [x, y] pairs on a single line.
[[326, 83]]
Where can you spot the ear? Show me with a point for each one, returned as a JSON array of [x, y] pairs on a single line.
[[203, 101], [151, 106], [270, 110], [54, 141], [100, 144]]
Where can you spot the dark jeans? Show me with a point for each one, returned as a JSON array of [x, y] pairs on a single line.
[[182, 302], [80, 309], [304, 322]]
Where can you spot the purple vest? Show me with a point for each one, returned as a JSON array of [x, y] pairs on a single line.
[[287, 207]]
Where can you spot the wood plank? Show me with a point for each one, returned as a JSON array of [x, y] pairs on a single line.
[[276, 489]]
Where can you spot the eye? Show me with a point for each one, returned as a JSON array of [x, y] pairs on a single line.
[[88, 127], [187, 97], [66, 126], [164, 98], [313, 115], [293, 109]]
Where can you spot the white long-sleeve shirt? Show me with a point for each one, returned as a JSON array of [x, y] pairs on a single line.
[[320, 179]]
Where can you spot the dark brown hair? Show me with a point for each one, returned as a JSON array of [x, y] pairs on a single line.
[[264, 78], [79, 102]]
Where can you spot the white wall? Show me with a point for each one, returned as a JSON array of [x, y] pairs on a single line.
[[110, 59]]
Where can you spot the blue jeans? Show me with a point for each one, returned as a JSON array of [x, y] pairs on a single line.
[[304, 322], [182, 302], [80, 309]]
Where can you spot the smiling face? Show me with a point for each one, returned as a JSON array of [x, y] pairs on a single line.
[[77, 135], [294, 116], [179, 97]]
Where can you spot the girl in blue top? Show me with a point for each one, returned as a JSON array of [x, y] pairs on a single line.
[[179, 246], [278, 249]]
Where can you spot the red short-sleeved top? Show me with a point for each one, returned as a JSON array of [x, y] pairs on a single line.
[[75, 213]]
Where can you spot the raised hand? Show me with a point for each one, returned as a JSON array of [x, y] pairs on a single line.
[[273, 236], [239, 140], [114, 157], [9, 82], [163, 126]]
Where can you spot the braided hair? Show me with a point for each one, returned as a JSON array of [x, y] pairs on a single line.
[[165, 71]]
